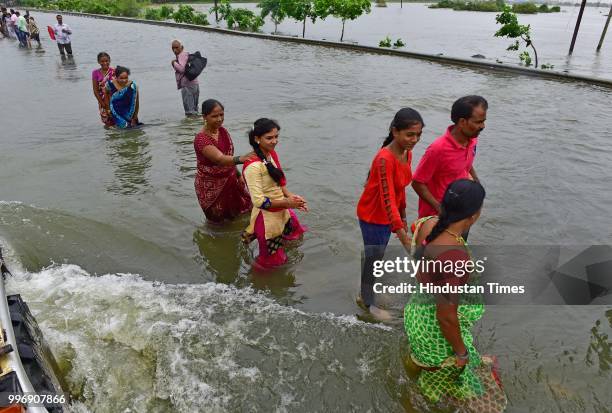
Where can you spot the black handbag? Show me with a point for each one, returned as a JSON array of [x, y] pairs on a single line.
[[195, 65]]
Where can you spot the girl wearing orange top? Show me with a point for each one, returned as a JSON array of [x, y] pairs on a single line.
[[382, 206]]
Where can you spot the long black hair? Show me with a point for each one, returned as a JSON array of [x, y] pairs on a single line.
[[404, 119], [462, 199], [261, 127]]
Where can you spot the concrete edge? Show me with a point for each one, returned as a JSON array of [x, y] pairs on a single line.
[[444, 60]]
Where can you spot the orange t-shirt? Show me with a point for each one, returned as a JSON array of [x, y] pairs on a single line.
[[384, 194]]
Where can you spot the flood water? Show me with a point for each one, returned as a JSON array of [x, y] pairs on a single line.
[[150, 309], [465, 34]]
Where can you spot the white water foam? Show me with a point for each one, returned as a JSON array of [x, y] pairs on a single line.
[[126, 343]]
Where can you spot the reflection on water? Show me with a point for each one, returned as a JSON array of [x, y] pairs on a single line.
[[67, 69], [219, 246], [128, 152], [229, 261]]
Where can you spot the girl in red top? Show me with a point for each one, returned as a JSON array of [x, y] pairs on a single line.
[[382, 206]]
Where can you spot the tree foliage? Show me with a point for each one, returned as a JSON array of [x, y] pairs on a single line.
[[274, 9], [512, 29], [342, 9], [240, 18], [300, 10], [187, 14]]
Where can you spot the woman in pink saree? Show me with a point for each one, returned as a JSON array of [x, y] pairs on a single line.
[[99, 78], [221, 191]]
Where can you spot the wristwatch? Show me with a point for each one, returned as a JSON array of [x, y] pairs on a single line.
[[237, 160]]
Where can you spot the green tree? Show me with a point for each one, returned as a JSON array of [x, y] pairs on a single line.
[[342, 9], [300, 10], [274, 9], [513, 30]]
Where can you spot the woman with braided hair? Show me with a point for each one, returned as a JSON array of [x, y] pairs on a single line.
[[438, 326], [382, 206], [272, 218]]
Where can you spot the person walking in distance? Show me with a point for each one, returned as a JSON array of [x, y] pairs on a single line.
[[190, 89], [63, 36]]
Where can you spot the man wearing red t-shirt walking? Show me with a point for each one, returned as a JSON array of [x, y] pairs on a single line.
[[451, 156]]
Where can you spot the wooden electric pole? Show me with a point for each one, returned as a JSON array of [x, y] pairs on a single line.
[[216, 15], [603, 34], [577, 26]]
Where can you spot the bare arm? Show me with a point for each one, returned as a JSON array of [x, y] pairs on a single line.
[[446, 313], [219, 158], [301, 202], [107, 100], [135, 116], [254, 181], [474, 175], [95, 87], [423, 193]]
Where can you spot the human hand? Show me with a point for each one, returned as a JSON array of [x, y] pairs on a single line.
[[243, 158], [297, 202], [462, 360], [460, 363], [404, 238]]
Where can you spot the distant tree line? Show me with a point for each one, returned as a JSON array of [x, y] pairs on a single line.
[[495, 6]]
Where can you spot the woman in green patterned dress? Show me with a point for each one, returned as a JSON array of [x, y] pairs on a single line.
[[439, 325]]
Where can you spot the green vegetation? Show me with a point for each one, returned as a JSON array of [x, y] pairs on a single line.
[[386, 42], [166, 12], [494, 6], [342, 9], [513, 30], [273, 9], [236, 18], [300, 10], [127, 8], [153, 14], [242, 19], [187, 14], [399, 43]]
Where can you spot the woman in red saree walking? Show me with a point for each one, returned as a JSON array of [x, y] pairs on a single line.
[[221, 191]]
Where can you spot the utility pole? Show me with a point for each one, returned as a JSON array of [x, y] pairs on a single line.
[[577, 26], [216, 15], [603, 34]]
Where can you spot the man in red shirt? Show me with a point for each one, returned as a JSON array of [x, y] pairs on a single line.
[[451, 156]]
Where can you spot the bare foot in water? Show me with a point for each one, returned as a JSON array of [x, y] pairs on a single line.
[[380, 314]]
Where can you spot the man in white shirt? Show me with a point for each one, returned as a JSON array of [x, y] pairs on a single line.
[[62, 36]]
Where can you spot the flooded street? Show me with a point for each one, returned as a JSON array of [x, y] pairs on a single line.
[[465, 34], [149, 308]]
